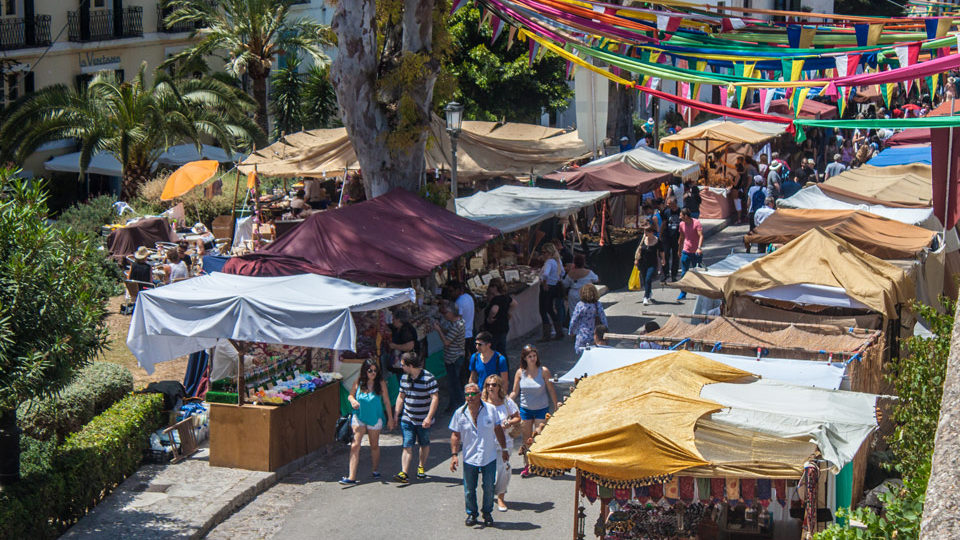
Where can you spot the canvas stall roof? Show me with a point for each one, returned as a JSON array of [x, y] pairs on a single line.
[[811, 108], [616, 177], [648, 159], [878, 236], [727, 132], [710, 282], [394, 237], [727, 330], [647, 419], [101, 163], [306, 310], [595, 360], [909, 185], [902, 155], [510, 208], [107, 165], [819, 257], [145, 232], [484, 149], [909, 137]]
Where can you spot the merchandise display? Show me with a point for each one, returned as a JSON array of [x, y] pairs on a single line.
[[281, 392], [651, 521]]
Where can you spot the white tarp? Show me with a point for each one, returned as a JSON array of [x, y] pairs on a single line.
[[107, 165], [730, 264], [836, 421], [511, 208], [307, 310], [648, 159], [814, 198], [810, 294], [803, 372]]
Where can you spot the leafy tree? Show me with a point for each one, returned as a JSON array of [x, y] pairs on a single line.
[[301, 100], [52, 307], [918, 378], [135, 120], [868, 8], [486, 73], [251, 33], [389, 55]]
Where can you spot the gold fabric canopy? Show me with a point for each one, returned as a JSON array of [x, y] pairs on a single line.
[[909, 185]]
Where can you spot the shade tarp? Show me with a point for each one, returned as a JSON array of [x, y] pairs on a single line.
[[810, 108], [878, 236], [101, 163], [394, 237], [648, 159], [909, 185], [902, 155], [107, 165], [305, 310], [646, 420], [596, 360], [616, 177], [510, 208], [483, 149], [710, 282], [909, 137], [726, 132], [820, 257], [145, 232]]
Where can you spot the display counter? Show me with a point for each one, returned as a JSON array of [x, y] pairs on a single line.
[[266, 437], [526, 316]]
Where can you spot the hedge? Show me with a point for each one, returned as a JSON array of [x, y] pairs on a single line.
[[82, 470], [94, 389]]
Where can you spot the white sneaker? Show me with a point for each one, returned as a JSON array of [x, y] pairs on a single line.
[[646, 301]]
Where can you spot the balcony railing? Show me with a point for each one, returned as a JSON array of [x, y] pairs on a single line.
[[105, 24], [20, 33], [162, 26]]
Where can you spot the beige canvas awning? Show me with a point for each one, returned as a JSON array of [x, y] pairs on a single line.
[[908, 185]]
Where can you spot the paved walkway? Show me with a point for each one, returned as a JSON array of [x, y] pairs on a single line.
[[192, 499]]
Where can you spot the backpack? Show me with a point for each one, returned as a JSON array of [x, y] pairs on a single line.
[[673, 222], [759, 197]]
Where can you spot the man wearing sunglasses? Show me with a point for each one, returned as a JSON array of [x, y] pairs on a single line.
[[477, 432]]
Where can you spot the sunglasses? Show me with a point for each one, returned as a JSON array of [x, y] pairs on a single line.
[[481, 344], [471, 394], [492, 385], [371, 370]]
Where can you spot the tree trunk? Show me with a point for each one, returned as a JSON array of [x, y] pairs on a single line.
[[620, 109], [134, 176], [941, 511], [388, 129], [261, 115], [9, 447]]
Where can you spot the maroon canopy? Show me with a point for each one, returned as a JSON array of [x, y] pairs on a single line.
[[394, 237], [811, 109], [616, 177], [909, 136], [146, 232]]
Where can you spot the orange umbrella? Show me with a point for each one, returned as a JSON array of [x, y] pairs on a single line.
[[188, 177]]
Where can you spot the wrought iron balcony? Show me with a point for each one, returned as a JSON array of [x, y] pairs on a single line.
[[103, 24], [21, 33], [162, 26]]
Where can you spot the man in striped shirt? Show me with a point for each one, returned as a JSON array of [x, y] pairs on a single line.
[[416, 408]]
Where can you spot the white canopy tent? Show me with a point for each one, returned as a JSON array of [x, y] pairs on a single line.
[[648, 159], [511, 208], [107, 165], [307, 310], [803, 372]]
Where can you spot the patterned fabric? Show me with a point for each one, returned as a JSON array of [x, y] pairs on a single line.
[[748, 490], [621, 495], [656, 492], [671, 490], [716, 489], [589, 489], [583, 322], [642, 493], [703, 489], [686, 489], [764, 486], [733, 489], [811, 478], [781, 488]]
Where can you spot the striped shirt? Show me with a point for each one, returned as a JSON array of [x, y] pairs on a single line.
[[417, 393], [454, 332]]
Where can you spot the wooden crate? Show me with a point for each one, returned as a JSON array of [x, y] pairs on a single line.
[[264, 438]]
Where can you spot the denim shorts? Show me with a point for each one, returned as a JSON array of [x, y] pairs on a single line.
[[534, 414], [414, 433]]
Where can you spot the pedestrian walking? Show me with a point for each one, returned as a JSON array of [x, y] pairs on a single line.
[[416, 408], [478, 434], [486, 361], [536, 394], [691, 240], [586, 315], [452, 330], [371, 412], [550, 290], [670, 235], [508, 413], [500, 306], [648, 259]]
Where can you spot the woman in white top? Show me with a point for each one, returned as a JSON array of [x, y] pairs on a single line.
[[577, 277], [509, 414], [176, 270], [550, 291]]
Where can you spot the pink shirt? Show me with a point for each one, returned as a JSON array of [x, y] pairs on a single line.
[[691, 234]]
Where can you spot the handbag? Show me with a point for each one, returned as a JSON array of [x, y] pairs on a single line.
[[344, 429], [515, 431]]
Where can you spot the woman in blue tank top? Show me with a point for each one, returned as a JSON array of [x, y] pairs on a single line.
[[371, 409]]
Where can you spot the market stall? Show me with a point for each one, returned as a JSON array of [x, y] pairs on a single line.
[[145, 232], [895, 185], [902, 155], [284, 400], [809, 109], [719, 441], [651, 160]]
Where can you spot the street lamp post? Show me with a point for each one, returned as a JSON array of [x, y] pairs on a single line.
[[454, 112]]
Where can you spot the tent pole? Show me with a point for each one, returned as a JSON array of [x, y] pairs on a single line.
[[241, 347], [576, 506], [946, 208], [233, 210]]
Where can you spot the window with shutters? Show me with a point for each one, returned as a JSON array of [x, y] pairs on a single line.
[[12, 88]]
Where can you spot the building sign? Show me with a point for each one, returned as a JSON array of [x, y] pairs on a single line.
[[91, 62]]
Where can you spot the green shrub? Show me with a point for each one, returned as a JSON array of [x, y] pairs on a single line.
[[95, 388], [195, 206], [35, 455], [82, 471], [90, 216]]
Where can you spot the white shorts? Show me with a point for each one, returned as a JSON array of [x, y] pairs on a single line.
[[357, 423]]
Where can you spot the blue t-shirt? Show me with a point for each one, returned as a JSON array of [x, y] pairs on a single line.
[[496, 366]]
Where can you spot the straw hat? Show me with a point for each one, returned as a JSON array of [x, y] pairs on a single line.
[[776, 165], [141, 254], [199, 228]]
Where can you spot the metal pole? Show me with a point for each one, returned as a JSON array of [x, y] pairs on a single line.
[[593, 115], [656, 122], [946, 207], [453, 169]]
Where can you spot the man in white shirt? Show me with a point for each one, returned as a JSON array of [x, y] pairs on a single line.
[[465, 307], [769, 207], [834, 168], [476, 428]]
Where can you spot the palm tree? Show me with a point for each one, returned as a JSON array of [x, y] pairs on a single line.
[[135, 121], [251, 33]]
